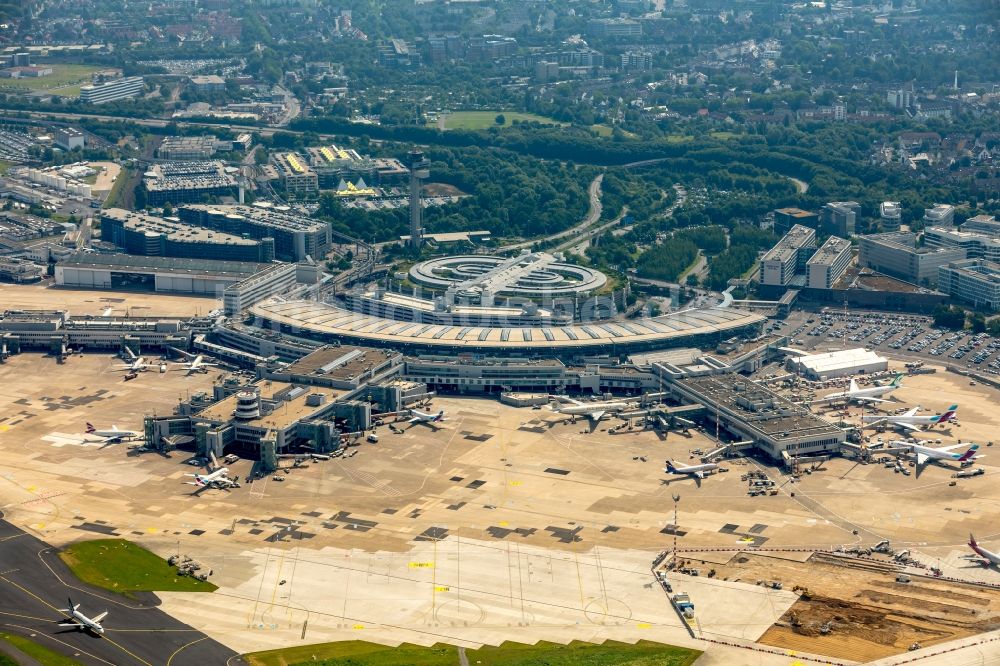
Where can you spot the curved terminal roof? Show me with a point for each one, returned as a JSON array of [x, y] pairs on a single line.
[[537, 274], [330, 321]]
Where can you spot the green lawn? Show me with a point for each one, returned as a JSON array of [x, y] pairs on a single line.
[[360, 653], [477, 120], [38, 652], [65, 80], [121, 566]]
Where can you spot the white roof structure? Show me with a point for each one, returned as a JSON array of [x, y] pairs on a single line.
[[839, 363]]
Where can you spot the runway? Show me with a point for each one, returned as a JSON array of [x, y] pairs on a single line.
[[35, 584]]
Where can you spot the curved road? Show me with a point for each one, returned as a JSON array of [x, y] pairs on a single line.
[[593, 215]]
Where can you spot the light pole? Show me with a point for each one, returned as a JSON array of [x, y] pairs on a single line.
[[677, 499]]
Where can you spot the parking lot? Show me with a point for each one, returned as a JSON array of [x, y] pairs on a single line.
[[898, 335]]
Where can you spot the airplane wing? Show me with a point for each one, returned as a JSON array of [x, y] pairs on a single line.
[[870, 399], [575, 402], [853, 388], [598, 415], [911, 412], [952, 447], [922, 458], [98, 618], [906, 426]]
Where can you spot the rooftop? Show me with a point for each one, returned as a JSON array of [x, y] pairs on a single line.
[[829, 252], [291, 405], [762, 409], [331, 320], [174, 230], [340, 362], [145, 264]]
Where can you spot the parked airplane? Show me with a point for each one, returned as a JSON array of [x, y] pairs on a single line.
[[218, 477], [113, 435], [595, 411], [81, 621], [135, 363], [696, 470], [417, 416], [910, 421], [195, 362], [872, 394], [925, 453], [991, 559]]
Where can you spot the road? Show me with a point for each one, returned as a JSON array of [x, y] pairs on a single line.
[[34, 585], [593, 215]]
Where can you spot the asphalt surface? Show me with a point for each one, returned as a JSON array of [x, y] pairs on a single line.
[[34, 585]]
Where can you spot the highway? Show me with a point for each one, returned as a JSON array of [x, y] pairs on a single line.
[[35, 584], [593, 215]]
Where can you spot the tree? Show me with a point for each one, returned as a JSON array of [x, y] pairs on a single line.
[[949, 316], [977, 323], [500, 119], [692, 280]]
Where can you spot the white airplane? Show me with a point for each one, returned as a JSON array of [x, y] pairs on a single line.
[[696, 470], [217, 478], [990, 558], [135, 363], [872, 394], [81, 621], [195, 362], [925, 453], [417, 416], [910, 421], [113, 435], [594, 411]]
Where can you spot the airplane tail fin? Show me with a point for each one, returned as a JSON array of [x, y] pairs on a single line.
[[670, 466], [71, 606], [897, 380], [90, 427], [972, 541], [948, 415], [968, 455], [439, 416]]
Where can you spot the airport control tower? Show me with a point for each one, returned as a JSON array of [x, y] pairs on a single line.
[[419, 171]]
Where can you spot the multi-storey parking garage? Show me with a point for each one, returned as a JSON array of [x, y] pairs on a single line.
[[330, 322], [483, 278]]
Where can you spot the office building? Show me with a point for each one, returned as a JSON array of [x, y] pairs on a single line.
[[142, 234], [890, 215], [273, 280], [68, 138], [20, 271], [614, 28], [786, 218], [295, 237], [191, 147], [208, 84], [20, 60], [637, 61], [397, 53], [829, 263], [296, 176], [840, 217], [976, 245], [788, 257], [973, 281], [546, 71], [897, 255], [112, 91], [179, 182], [941, 215], [984, 224]]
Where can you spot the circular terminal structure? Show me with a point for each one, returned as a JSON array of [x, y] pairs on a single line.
[[533, 275]]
